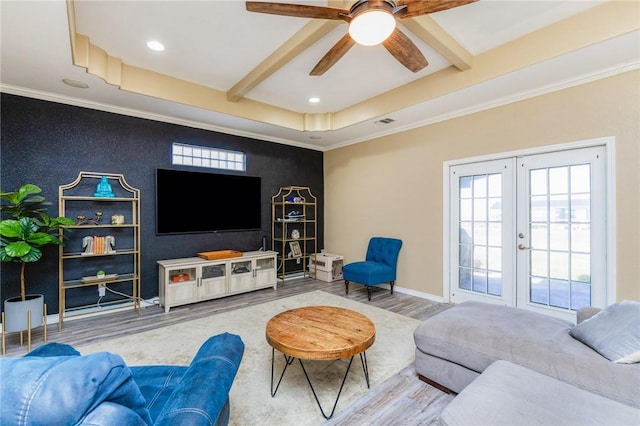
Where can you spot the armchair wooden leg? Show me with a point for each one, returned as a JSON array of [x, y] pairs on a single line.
[[346, 286], [392, 284], [369, 292]]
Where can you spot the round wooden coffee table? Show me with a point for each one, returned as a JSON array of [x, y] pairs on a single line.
[[320, 333]]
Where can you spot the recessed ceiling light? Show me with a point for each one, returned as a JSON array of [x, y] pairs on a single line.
[[75, 83], [314, 100], [155, 45]]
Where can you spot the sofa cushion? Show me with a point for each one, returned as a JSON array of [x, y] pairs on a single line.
[[614, 332], [70, 390], [508, 394]]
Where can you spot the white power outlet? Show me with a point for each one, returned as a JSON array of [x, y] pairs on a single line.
[[101, 290]]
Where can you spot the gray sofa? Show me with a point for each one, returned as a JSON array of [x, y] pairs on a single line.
[[456, 347]]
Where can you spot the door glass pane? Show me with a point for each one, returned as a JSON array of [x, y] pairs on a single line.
[[495, 234], [480, 233], [559, 237], [580, 179], [539, 290], [539, 208], [539, 236], [479, 209], [580, 267], [581, 238], [559, 208], [539, 263], [538, 182], [559, 293], [558, 180], [580, 208], [466, 210]]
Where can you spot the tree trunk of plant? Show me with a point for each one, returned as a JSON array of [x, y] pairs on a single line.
[[23, 292]]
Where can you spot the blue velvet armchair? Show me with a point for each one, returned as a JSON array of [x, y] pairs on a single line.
[[54, 384], [379, 266]]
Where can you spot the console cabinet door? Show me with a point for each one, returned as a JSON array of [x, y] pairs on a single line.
[[213, 280], [182, 286], [241, 276], [265, 271]]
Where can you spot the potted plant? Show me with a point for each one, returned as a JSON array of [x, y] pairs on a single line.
[[23, 234]]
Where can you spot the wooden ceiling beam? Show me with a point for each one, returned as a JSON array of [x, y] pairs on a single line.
[[302, 40], [428, 30]]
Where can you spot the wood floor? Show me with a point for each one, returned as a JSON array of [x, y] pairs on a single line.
[[401, 400]]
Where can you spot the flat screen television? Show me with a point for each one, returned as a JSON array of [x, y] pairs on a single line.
[[196, 202]]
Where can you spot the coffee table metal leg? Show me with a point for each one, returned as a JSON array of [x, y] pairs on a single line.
[[365, 366], [288, 361], [344, 379]]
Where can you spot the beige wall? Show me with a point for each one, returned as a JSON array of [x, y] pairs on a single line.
[[392, 186]]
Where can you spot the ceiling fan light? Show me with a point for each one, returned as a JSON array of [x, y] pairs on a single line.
[[372, 27]]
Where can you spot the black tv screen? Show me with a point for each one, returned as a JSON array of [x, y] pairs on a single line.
[[190, 202]]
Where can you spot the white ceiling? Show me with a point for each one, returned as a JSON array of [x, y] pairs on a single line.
[[217, 43]]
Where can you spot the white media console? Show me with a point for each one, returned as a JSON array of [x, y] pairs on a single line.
[[193, 279]]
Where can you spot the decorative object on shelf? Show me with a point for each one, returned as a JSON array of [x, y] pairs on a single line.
[[180, 278], [295, 234], [295, 200], [109, 244], [82, 220], [117, 219], [100, 274], [295, 249], [23, 234], [103, 189], [103, 277], [239, 269], [295, 214], [87, 245]]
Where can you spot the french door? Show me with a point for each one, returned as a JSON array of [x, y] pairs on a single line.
[[529, 231]]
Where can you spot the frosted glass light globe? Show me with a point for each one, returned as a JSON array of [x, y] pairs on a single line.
[[372, 27]]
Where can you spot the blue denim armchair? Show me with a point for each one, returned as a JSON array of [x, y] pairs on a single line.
[[379, 267], [54, 384]]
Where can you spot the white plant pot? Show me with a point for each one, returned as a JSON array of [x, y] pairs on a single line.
[[15, 312]]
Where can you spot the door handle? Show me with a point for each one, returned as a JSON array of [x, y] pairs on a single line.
[[523, 247]]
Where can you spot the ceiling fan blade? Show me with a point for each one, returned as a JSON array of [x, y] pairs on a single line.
[[422, 7], [405, 51], [297, 10], [333, 55]]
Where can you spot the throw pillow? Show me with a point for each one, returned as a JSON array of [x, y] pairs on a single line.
[[614, 332]]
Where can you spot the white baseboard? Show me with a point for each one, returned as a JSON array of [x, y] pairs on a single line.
[[410, 292]]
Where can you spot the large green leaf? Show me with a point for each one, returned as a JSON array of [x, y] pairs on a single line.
[[17, 249], [39, 239], [11, 229]]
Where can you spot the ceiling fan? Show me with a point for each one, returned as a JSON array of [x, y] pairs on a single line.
[[371, 22]]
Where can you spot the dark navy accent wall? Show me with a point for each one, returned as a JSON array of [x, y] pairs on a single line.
[[48, 144]]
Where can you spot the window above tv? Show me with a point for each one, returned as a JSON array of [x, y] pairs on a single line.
[[214, 158]]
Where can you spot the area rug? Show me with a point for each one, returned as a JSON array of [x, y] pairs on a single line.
[[294, 403]]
